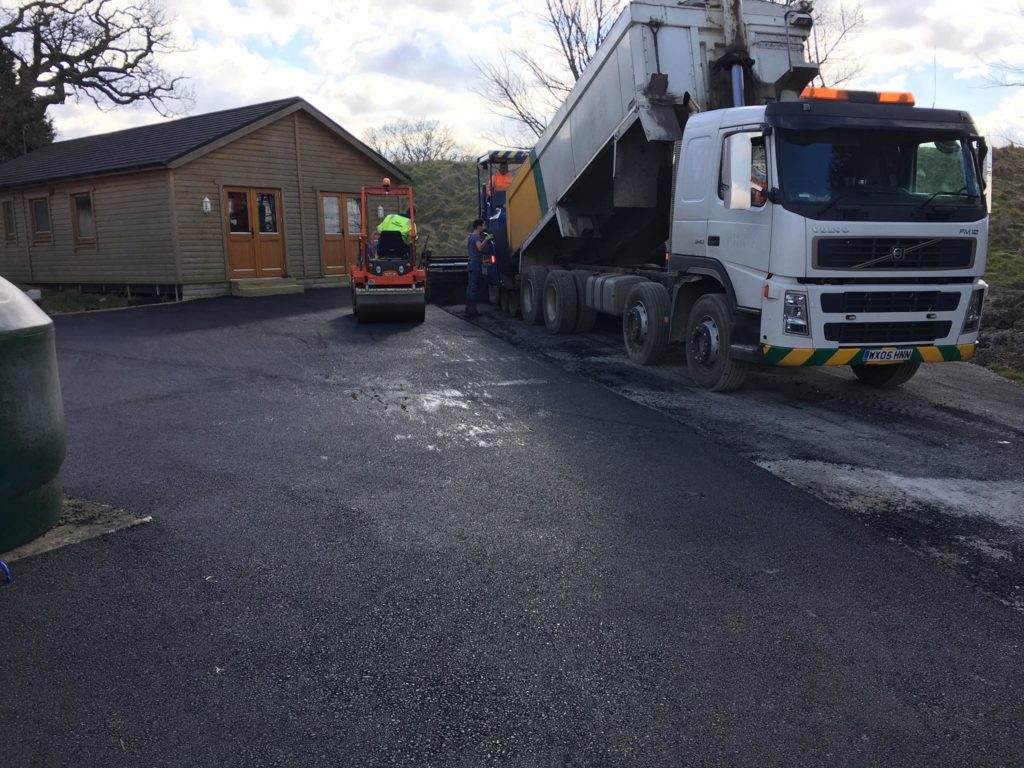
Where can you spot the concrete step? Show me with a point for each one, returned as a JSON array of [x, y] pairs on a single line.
[[332, 281], [265, 287]]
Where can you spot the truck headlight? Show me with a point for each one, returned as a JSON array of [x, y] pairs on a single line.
[[973, 320], [794, 314]]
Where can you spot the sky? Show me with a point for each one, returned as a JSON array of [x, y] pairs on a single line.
[[368, 62]]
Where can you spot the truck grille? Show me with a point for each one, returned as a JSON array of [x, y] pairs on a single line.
[[890, 301], [891, 253], [886, 333]]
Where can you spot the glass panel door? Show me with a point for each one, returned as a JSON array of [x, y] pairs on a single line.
[[266, 203], [238, 212], [332, 215], [355, 223]]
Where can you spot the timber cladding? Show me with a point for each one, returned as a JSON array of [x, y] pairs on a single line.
[[131, 244], [150, 227]]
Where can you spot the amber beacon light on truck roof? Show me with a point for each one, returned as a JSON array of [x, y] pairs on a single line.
[[858, 97]]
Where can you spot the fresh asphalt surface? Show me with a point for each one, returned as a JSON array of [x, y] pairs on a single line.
[[420, 546]]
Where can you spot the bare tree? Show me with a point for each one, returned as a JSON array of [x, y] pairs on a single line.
[[837, 23], [414, 141], [105, 51], [524, 86]]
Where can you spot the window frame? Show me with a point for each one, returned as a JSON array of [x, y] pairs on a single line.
[[10, 235], [37, 236], [79, 240], [755, 134]]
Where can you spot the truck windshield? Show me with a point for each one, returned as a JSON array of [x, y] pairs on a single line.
[[879, 175]]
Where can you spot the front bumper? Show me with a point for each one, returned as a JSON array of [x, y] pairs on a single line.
[[806, 356]]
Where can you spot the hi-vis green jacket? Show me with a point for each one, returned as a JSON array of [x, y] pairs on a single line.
[[396, 222]]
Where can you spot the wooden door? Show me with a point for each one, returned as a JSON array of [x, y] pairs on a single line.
[[341, 228], [241, 243], [255, 241], [353, 229], [266, 207], [332, 246]]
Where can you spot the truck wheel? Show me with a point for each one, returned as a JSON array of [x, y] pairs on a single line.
[[587, 316], [493, 294], [645, 323], [885, 375], [708, 336], [531, 295], [560, 302]]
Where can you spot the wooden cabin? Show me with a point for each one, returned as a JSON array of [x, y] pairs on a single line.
[[195, 206]]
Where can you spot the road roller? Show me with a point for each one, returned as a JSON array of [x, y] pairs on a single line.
[[388, 282]]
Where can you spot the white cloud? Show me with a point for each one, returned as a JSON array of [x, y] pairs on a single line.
[[365, 63]]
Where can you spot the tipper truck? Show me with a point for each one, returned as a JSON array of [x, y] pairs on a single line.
[[695, 185]]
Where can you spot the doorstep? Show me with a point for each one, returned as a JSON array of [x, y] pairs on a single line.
[[267, 286]]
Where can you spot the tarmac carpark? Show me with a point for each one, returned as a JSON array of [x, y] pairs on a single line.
[[466, 545]]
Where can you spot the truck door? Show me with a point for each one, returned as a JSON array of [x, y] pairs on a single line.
[[741, 238]]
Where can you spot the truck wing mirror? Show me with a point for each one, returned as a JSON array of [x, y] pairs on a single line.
[[737, 170]]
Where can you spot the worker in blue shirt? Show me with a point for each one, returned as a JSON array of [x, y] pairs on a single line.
[[476, 245]]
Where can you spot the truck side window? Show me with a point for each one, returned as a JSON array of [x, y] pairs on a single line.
[[758, 173]]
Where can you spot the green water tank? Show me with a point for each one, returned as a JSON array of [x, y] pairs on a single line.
[[32, 436]]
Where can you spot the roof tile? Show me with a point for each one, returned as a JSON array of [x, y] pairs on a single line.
[[147, 146]]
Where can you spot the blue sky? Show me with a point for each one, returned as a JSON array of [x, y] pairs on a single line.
[[364, 62]]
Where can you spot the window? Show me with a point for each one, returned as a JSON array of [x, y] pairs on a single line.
[[758, 173], [40, 208], [238, 212], [355, 218], [82, 218], [332, 216], [878, 168], [10, 233], [266, 204], [943, 168]]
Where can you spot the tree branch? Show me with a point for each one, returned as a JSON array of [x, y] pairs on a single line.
[[94, 49]]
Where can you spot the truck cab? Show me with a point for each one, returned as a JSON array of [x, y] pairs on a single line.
[[836, 223]]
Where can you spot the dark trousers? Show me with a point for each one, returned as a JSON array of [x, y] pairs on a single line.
[[473, 283]]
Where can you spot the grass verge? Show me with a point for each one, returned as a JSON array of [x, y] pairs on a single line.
[[1014, 375], [62, 302]]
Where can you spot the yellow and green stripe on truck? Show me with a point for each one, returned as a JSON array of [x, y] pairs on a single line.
[[806, 356]]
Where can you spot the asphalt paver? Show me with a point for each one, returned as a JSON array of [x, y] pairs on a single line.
[[405, 545]]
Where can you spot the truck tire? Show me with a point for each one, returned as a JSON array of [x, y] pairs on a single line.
[[708, 336], [560, 302], [645, 323], [587, 316], [885, 375], [531, 295]]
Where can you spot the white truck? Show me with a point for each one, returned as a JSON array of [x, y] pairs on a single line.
[[693, 184]]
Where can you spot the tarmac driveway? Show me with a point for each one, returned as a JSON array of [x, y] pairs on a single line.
[[419, 546]]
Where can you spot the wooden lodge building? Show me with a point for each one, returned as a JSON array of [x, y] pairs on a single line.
[[196, 206]]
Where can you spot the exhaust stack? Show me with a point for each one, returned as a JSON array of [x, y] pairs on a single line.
[[735, 41]]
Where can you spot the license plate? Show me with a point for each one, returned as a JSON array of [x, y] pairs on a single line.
[[888, 355]]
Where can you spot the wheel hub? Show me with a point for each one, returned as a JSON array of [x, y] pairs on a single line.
[[706, 342], [637, 323]]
